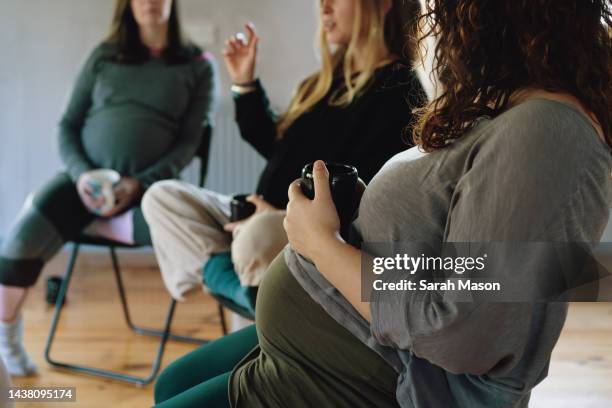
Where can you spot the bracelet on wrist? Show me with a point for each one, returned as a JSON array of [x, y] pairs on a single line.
[[242, 89]]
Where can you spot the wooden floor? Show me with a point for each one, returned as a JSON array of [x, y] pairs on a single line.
[[92, 331]]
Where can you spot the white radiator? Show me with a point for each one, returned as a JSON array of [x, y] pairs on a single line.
[[234, 166]]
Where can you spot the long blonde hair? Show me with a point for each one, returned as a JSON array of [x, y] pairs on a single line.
[[373, 30]]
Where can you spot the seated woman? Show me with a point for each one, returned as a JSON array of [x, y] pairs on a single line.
[[139, 106], [517, 148], [354, 110]]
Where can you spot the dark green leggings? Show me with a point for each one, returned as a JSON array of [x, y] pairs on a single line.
[[200, 379], [51, 217]]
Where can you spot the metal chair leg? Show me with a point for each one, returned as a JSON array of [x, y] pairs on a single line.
[[163, 334], [114, 375], [222, 318], [59, 303], [126, 312]]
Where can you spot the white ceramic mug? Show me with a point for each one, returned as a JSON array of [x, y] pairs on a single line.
[[102, 183]]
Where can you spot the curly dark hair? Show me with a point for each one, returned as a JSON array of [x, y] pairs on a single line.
[[488, 49]]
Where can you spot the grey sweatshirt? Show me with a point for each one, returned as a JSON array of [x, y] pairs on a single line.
[[142, 120], [537, 172]]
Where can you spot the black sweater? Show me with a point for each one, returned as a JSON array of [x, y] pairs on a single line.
[[364, 134]]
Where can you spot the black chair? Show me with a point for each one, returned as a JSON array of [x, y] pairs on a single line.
[[164, 334], [226, 303]]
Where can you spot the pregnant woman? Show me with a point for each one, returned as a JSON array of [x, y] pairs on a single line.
[[139, 107], [516, 148]]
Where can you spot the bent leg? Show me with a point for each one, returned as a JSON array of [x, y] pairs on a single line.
[[256, 244], [188, 376], [50, 217], [186, 225], [211, 393]]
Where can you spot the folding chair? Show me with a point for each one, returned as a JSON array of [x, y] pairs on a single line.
[[164, 334]]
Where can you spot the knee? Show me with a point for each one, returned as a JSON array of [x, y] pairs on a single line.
[[30, 234], [174, 379], [155, 198], [164, 386], [258, 242], [56, 196]]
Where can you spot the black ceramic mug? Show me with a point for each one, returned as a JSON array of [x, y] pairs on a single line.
[[241, 208], [343, 185]]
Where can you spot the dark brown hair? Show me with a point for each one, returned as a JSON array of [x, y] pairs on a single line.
[[125, 37], [488, 49]]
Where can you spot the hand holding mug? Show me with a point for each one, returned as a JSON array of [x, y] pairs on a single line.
[[127, 191], [343, 184], [86, 193], [243, 207], [240, 55], [311, 224], [96, 189]]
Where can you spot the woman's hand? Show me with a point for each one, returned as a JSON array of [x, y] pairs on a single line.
[[313, 229], [240, 56], [261, 206], [86, 194], [312, 225], [127, 191]]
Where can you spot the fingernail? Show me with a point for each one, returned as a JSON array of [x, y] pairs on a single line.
[[318, 165]]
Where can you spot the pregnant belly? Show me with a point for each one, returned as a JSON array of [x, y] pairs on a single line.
[[127, 140], [315, 358]]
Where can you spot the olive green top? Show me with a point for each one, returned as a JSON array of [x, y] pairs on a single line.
[[143, 120], [305, 358]]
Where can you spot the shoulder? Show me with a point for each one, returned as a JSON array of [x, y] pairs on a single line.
[[203, 62], [544, 129], [544, 172], [103, 50], [193, 54], [542, 150]]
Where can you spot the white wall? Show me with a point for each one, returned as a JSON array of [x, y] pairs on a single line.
[[42, 44]]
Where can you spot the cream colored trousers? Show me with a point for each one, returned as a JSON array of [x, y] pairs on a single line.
[[186, 224]]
